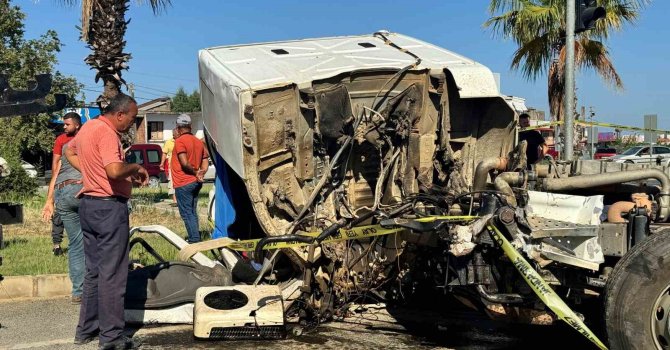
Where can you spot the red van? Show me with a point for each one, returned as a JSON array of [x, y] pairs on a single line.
[[149, 156]]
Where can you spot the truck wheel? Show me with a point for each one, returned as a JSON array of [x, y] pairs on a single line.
[[154, 182], [637, 296]]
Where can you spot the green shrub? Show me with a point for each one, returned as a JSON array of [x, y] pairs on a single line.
[[17, 184]]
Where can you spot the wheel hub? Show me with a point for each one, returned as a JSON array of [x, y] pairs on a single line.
[[660, 320]]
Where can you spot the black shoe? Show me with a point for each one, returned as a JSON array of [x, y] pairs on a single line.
[[86, 340], [124, 343], [58, 251]]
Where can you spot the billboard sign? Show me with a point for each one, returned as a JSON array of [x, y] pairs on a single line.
[[607, 136]]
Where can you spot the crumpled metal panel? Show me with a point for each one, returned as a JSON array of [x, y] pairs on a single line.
[[566, 227]]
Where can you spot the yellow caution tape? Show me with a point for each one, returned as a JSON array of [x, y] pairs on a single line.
[[542, 289], [342, 235], [594, 123]]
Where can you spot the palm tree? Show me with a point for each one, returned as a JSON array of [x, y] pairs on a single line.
[[538, 29], [103, 29]]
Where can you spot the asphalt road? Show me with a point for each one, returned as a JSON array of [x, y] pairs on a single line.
[[50, 324]]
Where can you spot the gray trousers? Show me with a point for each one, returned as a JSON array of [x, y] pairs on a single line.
[[106, 230]]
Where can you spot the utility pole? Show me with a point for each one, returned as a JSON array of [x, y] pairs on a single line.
[[131, 89], [569, 98], [592, 114], [578, 19]]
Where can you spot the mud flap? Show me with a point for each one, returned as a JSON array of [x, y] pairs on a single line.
[[542, 289]]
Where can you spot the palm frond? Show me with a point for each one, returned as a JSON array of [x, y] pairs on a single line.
[[526, 23], [533, 57], [593, 54], [156, 5], [556, 87], [86, 13], [505, 5]]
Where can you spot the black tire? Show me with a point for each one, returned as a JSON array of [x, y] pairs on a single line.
[[639, 280], [629, 162]]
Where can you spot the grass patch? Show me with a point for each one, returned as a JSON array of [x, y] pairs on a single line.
[[28, 245], [148, 196]]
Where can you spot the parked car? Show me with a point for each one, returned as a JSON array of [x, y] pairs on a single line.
[[604, 153], [210, 175], [149, 156], [29, 168], [644, 154]]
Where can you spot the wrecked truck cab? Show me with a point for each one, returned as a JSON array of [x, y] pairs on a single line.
[[279, 113], [385, 166]]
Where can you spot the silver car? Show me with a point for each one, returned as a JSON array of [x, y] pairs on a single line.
[[644, 154]]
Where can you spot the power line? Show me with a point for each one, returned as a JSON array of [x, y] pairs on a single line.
[[136, 97], [139, 73], [150, 88], [145, 91]]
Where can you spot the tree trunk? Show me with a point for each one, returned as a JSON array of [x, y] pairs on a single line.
[[106, 31]]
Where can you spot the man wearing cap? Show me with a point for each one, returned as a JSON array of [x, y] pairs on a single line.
[[189, 164], [96, 152]]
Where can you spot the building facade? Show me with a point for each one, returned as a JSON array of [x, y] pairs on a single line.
[[155, 122]]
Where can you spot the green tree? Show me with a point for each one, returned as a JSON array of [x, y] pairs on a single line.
[[183, 102], [180, 101], [21, 59], [194, 99], [538, 29], [103, 29]]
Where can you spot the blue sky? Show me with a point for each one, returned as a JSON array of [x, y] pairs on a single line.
[[164, 47]]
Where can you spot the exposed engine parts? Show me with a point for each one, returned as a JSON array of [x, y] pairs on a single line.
[[387, 132]]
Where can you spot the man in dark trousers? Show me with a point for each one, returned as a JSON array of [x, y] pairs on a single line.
[[189, 164], [96, 151], [537, 147]]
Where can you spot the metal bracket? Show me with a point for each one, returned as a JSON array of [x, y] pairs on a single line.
[[24, 102], [413, 224]]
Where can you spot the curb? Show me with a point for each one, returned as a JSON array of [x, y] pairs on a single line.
[[39, 286]]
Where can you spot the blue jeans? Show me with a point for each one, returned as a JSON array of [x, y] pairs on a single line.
[[67, 207], [187, 201]]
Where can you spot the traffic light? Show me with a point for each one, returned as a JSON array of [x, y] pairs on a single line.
[[587, 12]]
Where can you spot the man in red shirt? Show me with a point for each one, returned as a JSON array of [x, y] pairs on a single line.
[[189, 164], [63, 206], [70, 128], [96, 151]]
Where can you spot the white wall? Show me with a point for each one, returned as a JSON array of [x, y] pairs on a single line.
[[170, 122]]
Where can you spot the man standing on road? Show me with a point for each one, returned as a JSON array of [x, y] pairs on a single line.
[[64, 186], [168, 147], [108, 181], [189, 164], [537, 147]]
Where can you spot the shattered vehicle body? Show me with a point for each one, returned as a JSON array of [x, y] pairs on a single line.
[[342, 138]]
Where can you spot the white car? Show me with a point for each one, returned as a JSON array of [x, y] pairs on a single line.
[[29, 168], [210, 175], [659, 155]]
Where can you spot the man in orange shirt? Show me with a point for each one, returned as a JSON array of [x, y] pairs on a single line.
[[189, 164], [96, 152]]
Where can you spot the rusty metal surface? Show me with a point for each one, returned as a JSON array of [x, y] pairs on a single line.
[[543, 227]]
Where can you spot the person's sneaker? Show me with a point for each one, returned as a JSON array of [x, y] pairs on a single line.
[[75, 299], [58, 251], [124, 343]]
